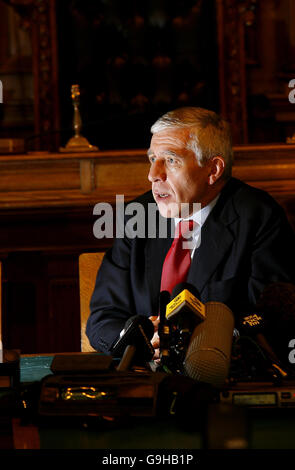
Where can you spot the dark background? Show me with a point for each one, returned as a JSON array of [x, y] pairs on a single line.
[[134, 61]]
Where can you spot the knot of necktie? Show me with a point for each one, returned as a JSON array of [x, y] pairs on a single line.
[[183, 228]]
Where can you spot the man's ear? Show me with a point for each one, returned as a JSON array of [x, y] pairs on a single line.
[[217, 166]]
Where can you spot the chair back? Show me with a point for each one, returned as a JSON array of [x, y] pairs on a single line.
[[88, 267]]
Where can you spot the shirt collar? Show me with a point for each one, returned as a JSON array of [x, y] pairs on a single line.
[[200, 216]]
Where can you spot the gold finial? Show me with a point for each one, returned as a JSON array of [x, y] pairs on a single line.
[[78, 143]]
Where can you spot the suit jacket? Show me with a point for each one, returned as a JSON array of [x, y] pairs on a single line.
[[246, 244]]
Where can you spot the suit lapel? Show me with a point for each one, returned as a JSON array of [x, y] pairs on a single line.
[[217, 237], [156, 251], [216, 240]]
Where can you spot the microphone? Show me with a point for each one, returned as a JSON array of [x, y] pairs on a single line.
[[185, 304], [209, 351], [183, 313], [270, 327], [135, 341], [259, 359], [253, 325]]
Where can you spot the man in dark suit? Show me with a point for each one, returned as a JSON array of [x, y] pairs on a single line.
[[241, 240]]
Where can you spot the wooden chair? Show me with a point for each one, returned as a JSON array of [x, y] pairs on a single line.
[[88, 266]]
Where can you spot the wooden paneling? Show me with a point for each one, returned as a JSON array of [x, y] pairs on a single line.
[[41, 302], [55, 180], [44, 175], [121, 176]]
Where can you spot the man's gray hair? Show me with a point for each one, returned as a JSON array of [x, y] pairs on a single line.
[[209, 136]]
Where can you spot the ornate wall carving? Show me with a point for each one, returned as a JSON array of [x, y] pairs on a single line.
[[232, 20], [46, 73], [38, 16]]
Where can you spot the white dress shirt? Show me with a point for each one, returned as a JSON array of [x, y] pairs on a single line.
[[199, 218]]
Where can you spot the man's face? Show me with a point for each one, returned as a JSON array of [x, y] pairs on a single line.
[[175, 174]]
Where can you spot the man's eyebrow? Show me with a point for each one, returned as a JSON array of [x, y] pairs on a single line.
[[165, 152], [172, 154]]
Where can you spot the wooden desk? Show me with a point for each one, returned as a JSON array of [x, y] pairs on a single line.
[[137, 434], [267, 431]]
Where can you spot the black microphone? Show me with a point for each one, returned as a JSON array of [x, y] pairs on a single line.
[[135, 342], [253, 325], [253, 355], [183, 313], [185, 309], [271, 326], [209, 351]]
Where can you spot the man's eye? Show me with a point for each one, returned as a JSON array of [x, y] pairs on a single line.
[[171, 160], [152, 159]]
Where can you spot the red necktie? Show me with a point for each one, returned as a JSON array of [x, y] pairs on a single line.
[[178, 258]]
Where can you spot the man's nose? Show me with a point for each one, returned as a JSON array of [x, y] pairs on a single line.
[[157, 172]]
